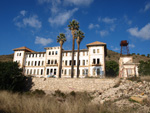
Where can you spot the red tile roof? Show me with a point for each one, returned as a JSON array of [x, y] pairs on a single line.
[[24, 49], [96, 43]]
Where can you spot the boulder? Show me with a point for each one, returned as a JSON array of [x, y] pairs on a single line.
[[139, 98]]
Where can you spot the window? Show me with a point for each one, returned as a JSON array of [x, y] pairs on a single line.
[[54, 71], [38, 72], [28, 63], [94, 62], [86, 71], [50, 53], [30, 71], [39, 55], [42, 63], [34, 71], [35, 63], [20, 54], [66, 62], [55, 61], [65, 72], [66, 53], [32, 63], [79, 62], [98, 71], [51, 71], [41, 71], [48, 62], [56, 52], [33, 55], [97, 50], [51, 61], [93, 50], [29, 55], [86, 62], [74, 62], [98, 61], [62, 71], [70, 63], [27, 71], [47, 71], [39, 63], [83, 62]]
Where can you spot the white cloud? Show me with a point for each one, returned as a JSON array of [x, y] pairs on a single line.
[[129, 22], [131, 45], [112, 28], [92, 26], [114, 48], [99, 19], [104, 33], [68, 34], [147, 7], [62, 18], [22, 21], [109, 20], [78, 2], [43, 41], [23, 12], [143, 33], [32, 22]]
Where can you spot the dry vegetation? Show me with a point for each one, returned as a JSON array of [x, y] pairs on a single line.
[[55, 103], [5, 58], [111, 55]]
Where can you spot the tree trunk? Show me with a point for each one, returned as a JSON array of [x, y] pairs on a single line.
[[60, 59], [78, 60], [72, 63]]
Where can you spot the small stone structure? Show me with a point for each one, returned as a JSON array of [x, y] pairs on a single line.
[[126, 66], [68, 85]]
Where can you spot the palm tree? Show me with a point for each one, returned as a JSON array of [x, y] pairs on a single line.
[[73, 26], [79, 35], [61, 39]]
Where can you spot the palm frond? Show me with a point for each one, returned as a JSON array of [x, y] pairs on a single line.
[[73, 25], [61, 37]]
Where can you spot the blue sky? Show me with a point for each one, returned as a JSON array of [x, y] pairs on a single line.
[[37, 23]]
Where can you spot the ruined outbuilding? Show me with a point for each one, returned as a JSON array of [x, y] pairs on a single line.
[[127, 67]]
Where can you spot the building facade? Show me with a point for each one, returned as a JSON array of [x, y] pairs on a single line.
[[127, 68], [42, 64]]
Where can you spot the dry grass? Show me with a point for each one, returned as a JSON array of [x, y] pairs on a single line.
[[56, 103]]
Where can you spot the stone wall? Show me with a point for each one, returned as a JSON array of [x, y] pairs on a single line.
[[68, 84]]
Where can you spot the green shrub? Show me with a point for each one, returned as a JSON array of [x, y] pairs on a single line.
[[11, 77], [59, 94], [72, 93], [112, 68]]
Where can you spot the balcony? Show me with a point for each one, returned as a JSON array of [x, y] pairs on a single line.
[[52, 64], [93, 64]]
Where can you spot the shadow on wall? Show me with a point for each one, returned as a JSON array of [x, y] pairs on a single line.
[[28, 83]]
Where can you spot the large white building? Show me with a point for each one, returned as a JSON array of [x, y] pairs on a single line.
[[92, 61]]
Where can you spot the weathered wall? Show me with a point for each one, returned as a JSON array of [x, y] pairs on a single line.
[[67, 85]]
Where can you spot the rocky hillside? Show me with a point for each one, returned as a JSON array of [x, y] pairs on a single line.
[[111, 55], [5, 58], [132, 93]]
